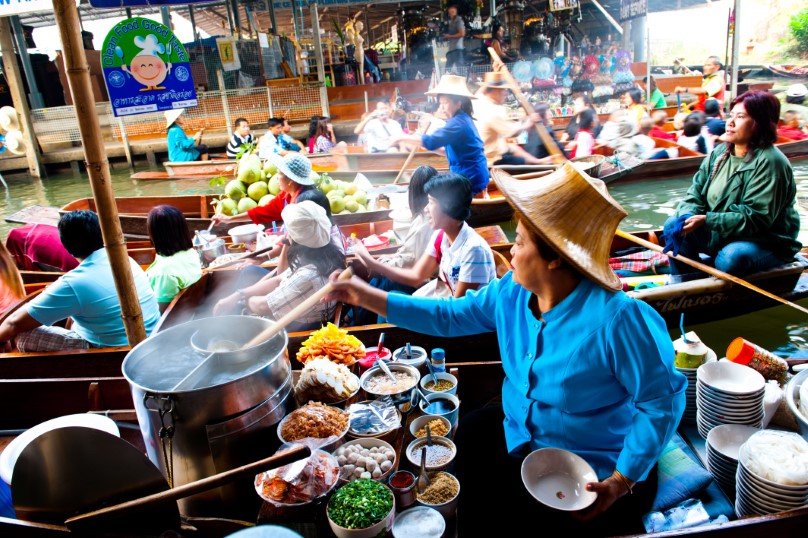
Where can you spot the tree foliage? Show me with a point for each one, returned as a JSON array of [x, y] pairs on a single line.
[[799, 31]]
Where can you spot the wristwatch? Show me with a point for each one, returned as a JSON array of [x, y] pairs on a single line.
[[242, 298]]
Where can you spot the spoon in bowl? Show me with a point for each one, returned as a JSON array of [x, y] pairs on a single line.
[[423, 478], [386, 370], [428, 435]]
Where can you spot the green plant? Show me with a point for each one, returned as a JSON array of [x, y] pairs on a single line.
[[246, 147], [338, 30], [799, 30]]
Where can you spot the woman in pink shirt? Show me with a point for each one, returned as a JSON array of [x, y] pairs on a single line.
[[584, 142]]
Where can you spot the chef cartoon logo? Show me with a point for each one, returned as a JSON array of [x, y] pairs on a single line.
[[146, 68]]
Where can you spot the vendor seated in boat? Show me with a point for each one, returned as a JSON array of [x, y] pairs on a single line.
[[587, 369], [294, 177], [379, 129], [181, 147], [465, 150], [87, 295], [176, 264], [740, 208], [311, 255], [241, 136], [462, 259]]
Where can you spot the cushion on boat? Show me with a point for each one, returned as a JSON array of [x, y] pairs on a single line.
[[681, 476]]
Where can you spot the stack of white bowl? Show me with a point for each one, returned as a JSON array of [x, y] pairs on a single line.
[[689, 416], [723, 444], [728, 393], [758, 495]]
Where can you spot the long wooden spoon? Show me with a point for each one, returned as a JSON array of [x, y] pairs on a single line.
[[709, 270], [410, 156]]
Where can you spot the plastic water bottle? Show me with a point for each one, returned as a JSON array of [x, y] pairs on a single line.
[[438, 360]]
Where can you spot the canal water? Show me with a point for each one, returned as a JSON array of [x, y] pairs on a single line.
[[781, 329]]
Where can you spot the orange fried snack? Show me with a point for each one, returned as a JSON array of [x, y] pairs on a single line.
[[334, 344]]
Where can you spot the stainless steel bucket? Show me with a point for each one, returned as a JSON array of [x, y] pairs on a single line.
[[227, 418]]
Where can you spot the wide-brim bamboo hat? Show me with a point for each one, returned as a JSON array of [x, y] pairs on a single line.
[[573, 213], [172, 115], [15, 143], [9, 120], [494, 79], [452, 85]]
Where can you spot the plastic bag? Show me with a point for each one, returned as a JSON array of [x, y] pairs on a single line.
[[299, 482], [245, 80], [689, 513], [370, 418]]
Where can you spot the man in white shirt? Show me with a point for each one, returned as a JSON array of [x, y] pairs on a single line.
[[379, 129], [494, 125], [269, 145]]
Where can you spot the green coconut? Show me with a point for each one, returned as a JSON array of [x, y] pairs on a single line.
[[690, 354]]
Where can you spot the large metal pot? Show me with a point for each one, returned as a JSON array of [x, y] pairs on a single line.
[[212, 250], [227, 418]]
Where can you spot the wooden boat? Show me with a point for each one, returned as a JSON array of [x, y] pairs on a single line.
[[360, 161], [790, 71]]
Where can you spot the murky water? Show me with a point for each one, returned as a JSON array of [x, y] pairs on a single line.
[[780, 329]]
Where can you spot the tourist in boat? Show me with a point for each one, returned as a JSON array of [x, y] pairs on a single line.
[[496, 127], [791, 127], [37, 247], [379, 129], [268, 145], [617, 133], [579, 104], [241, 136], [584, 142], [692, 137], [714, 119], [796, 99], [12, 289], [587, 369], [465, 150], [535, 145], [657, 97], [645, 144], [411, 249], [87, 295], [660, 118], [181, 147], [461, 257], [176, 264], [294, 177], [632, 101], [312, 258], [712, 85], [286, 141], [740, 207], [324, 138]]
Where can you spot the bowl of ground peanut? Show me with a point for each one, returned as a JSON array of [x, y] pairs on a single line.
[[442, 493], [438, 426], [439, 382]]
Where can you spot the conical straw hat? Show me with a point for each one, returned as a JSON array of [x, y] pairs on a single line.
[[172, 115], [9, 120], [15, 143], [571, 212], [451, 85]]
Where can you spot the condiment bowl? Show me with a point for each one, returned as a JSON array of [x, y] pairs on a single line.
[[421, 422], [427, 379], [414, 453], [400, 395], [380, 528], [333, 442], [367, 442], [794, 390], [448, 508], [557, 478], [420, 521], [450, 401]]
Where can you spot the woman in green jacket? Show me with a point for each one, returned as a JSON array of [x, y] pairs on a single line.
[[740, 208]]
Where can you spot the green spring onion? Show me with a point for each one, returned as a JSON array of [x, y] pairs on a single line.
[[360, 504]]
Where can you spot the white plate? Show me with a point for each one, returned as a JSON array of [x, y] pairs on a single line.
[[8, 458]]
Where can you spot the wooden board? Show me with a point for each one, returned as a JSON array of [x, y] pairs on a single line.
[[35, 214]]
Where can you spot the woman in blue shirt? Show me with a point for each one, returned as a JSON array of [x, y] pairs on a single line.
[[587, 368], [181, 147], [465, 150]]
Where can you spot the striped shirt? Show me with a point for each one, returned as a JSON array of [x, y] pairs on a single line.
[[234, 146], [294, 288], [469, 259]]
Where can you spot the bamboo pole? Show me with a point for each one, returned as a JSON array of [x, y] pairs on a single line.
[[709, 270], [78, 77], [541, 129]]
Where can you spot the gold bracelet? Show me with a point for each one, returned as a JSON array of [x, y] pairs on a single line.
[[626, 482]]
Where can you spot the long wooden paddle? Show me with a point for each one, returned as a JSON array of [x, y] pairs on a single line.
[[98, 517], [411, 155], [541, 129], [710, 270]]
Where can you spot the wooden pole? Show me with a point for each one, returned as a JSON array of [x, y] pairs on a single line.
[[541, 129], [78, 77], [709, 270], [15, 84]]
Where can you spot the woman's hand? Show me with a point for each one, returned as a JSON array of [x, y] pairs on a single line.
[[608, 492], [362, 253], [219, 218], [693, 223], [226, 305], [354, 291]]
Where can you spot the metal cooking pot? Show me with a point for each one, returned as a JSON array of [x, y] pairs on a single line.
[[212, 250], [227, 418], [394, 367]]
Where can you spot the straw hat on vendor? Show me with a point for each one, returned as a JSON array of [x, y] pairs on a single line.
[[451, 85], [172, 115]]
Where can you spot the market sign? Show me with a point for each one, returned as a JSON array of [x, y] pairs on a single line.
[[631, 9], [228, 53], [18, 7], [146, 68], [118, 4]]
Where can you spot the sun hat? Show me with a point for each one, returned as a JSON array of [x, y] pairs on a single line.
[[573, 213], [493, 79], [15, 143], [172, 115], [795, 90], [9, 120], [451, 85], [307, 224], [296, 167]]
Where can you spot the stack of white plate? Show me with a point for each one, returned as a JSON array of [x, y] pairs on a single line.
[[723, 445], [689, 415], [758, 495], [728, 393]]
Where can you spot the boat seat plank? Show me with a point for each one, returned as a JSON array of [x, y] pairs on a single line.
[[100, 362]]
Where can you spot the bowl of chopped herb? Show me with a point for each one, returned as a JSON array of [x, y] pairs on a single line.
[[362, 508], [442, 494], [439, 382]]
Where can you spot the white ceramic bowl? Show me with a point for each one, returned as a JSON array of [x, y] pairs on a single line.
[[728, 438], [379, 529], [423, 420], [439, 375], [448, 508], [415, 448], [453, 402], [743, 459], [328, 447], [430, 523], [730, 378], [368, 442], [394, 367], [795, 389], [557, 478], [8, 458]]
